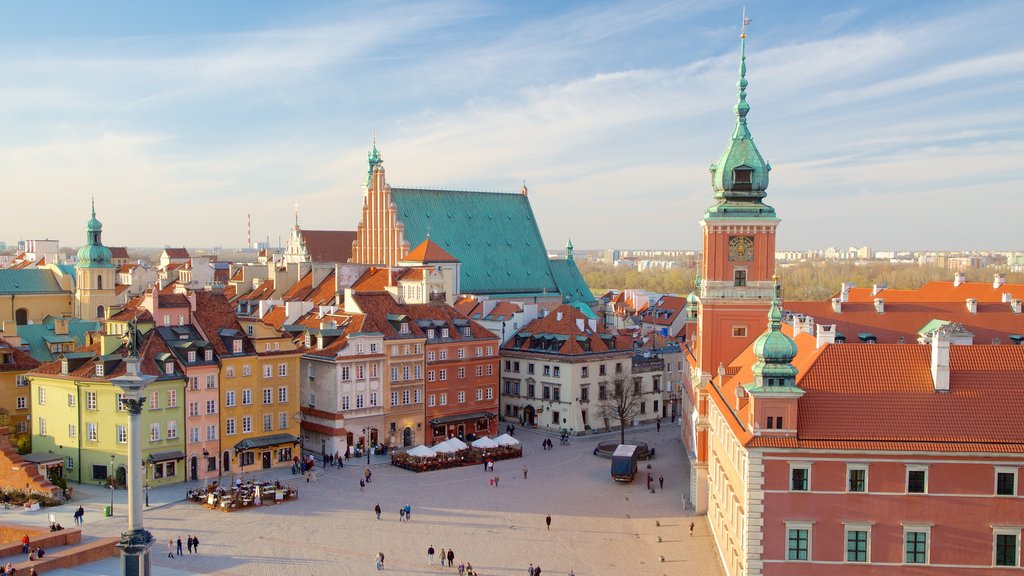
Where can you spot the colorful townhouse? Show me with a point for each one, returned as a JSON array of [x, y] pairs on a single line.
[[252, 388], [558, 371], [77, 413], [14, 388]]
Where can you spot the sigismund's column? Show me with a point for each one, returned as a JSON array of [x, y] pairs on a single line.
[[135, 543]]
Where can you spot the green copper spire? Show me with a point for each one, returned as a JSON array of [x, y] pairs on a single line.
[[774, 350], [568, 250], [94, 254], [740, 177], [374, 160]]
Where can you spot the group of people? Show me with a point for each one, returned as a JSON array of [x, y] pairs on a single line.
[[367, 476], [9, 570], [193, 546], [547, 444], [510, 429], [445, 556], [79, 516]]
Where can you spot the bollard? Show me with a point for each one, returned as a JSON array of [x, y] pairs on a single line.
[[657, 522], [661, 558], [659, 539]]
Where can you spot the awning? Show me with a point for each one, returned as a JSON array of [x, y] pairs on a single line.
[[265, 442], [462, 417], [166, 456], [43, 458]]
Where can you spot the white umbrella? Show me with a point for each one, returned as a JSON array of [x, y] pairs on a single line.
[[484, 442], [421, 451], [456, 443], [506, 440]]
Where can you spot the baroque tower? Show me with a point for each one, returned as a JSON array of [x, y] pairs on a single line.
[[380, 237], [94, 274]]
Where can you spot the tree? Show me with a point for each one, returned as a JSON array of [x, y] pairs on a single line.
[[622, 403]]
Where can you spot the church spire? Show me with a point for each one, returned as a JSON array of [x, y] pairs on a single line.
[[568, 249], [373, 160]]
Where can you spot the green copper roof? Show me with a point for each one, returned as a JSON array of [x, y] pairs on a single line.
[[740, 177], [29, 281], [94, 254], [37, 335], [494, 236], [774, 350], [571, 284]]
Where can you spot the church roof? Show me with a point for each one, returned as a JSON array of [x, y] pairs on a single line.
[[29, 281], [570, 282], [328, 245], [494, 235]]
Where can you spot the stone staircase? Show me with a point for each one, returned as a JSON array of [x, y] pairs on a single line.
[[64, 548]]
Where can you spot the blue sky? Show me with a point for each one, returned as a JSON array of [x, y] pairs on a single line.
[[894, 124]]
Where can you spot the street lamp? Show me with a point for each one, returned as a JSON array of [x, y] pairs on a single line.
[[323, 450], [112, 482], [366, 444], [146, 490]]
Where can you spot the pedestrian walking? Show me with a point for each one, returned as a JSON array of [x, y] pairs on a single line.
[[430, 554], [661, 481], [24, 544], [401, 514], [650, 479], [691, 528], [170, 548], [376, 509], [361, 484], [443, 557], [179, 546], [536, 571], [188, 543], [462, 569], [451, 557], [531, 571], [195, 544], [659, 424], [525, 472], [367, 474], [380, 560], [547, 521], [408, 512], [496, 481]]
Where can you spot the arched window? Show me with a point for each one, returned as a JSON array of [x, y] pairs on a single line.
[[99, 282], [99, 312], [21, 316]]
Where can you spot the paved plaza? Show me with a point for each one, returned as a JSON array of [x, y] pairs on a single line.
[[599, 527]]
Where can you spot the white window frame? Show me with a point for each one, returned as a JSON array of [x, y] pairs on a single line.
[[856, 527], [282, 395], [1016, 480], [90, 400], [246, 424], [799, 466], [927, 529], [122, 433], [906, 479], [229, 399], [809, 526], [154, 432], [1006, 531], [282, 369], [172, 429], [857, 466]]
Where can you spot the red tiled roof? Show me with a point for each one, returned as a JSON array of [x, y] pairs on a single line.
[[324, 292], [665, 311], [428, 251], [152, 345], [21, 360], [937, 291], [328, 245], [373, 280], [300, 289], [275, 317], [129, 312], [214, 313], [120, 289], [229, 292], [262, 292], [176, 252], [567, 326], [237, 276], [118, 252], [904, 319], [468, 306], [174, 301]]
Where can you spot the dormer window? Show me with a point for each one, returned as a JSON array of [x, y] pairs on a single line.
[[208, 355], [191, 356], [169, 367], [430, 333], [99, 369], [309, 340], [236, 346], [405, 328], [444, 332], [466, 331], [63, 366]]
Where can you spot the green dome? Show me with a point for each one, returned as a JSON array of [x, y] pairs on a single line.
[[93, 225], [774, 350], [94, 256]]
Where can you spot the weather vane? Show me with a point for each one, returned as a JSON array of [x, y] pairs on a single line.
[[746, 22]]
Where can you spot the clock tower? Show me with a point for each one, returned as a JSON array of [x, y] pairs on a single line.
[[736, 286]]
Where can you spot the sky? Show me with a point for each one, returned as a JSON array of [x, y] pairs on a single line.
[[893, 124]]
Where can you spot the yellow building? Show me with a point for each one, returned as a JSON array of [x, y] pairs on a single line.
[[259, 399], [15, 394]]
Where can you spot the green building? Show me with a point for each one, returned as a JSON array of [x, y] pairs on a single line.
[[77, 413]]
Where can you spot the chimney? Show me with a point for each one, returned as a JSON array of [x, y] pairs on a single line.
[[958, 279], [1007, 297], [880, 305], [844, 291], [60, 326], [837, 305], [972, 305], [1015, 304], [825, 335], [998, 280], [808, 326], [940, 360], [876, 288], [741, 397]]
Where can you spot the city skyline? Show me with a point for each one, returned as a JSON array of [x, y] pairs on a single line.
[[188, 115]]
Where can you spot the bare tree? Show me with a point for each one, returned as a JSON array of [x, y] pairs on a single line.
[[622, 402]]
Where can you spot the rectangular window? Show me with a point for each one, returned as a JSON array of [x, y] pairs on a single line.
[[246, 424], [857, 478], [72, 431], [430, 356], [490, 369], [268, 422], [268, 371], [282, 369], [1006, 481], [444, 399], [405, 372], [211, 432], [345, 402], [246, 397], [462, 373], [72, 401], [556, 371], [417, 396], [42, 396], [1006, 548], [442, 375], [230, 371], [479, 394], [800, 476], [917, 480], [461, 353], [479, 371], [394, 397], [229, 398], [193, 435], [246, 370], [359, 401], [798, 542], [373, 399], [154, 432], [282, 420], [431, 400], [405, 397], [211, 406], [211, 381], [193, 408], [479, 351], [172, 398], [444, 354], [430, 376], [282, 395], [154, 401], [229, 426], [22, 402], [90, 400], [916, 546], [739, 331], [462, 397], [394, 374], [42, 426], [856, 545], [547, 370], [172, 429]]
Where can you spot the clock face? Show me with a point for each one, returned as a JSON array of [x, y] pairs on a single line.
[[741, 248]]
